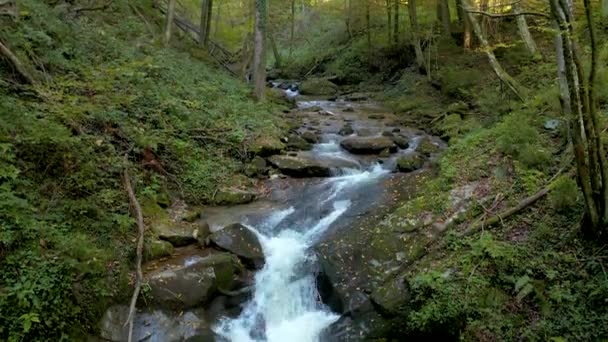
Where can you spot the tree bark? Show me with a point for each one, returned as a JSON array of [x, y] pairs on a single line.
[[509, 81], [275, 50], [416, 32], [389, 21], [524, 32], [369, 32], [349, 13], [169, 23], [16, 63], [259, 55], [293, 26], [205, 24], [396, 24], [445, 16]]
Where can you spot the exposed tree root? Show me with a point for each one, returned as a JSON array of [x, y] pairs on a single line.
[[140, 246]]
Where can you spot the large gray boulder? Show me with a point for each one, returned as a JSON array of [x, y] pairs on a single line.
[[368, 145], [230, 196], [305, 165], [178, 234], [191, 284], [410, 162], [154, 325], [241, 241]]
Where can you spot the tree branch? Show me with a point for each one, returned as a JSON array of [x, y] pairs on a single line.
[[508, 15], [140, 245], [16, 63]]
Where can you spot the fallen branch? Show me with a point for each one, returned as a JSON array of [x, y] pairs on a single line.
[[92, 9], [508, 15], [140, 246], [16, 63]]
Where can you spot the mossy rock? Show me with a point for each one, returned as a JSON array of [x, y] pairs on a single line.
[[278, 96], [233, 197], [256, 168], [192, 215], [426, 146], [155, 249], [410, 162], [178, 234], [266, 146], [400, 141], [297, 143], [318, 86], [393, 297]]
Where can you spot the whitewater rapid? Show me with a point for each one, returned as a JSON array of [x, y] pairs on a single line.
[[286, 306]]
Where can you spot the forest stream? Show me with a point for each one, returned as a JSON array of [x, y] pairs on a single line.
[[303, 206]]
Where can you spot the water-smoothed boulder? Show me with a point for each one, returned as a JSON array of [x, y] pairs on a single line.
[[241, 241], [155, 249], [310, 137], [178, 234], [367, 145], [298, 143], [265, 146], [318, 86], [301, 165], [347, 129], [154, 325], [400, 141], [426, 146], [410, 162], [192, 283], [231, 196]]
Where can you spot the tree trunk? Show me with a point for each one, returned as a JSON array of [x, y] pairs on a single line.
[[524, 32], [259, 55], [369, 32], [205, 25], [389, 17], [217, 20], [459, 11], [416, 32], [396, 23], [16, 63], [275, 51], [445, 16], [169, 23], [511, 83], [604, 8], [587, 144], [208, 23], [293, 27], [349, 13]]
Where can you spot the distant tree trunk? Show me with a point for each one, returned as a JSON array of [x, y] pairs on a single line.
[[509, 81], [396, 23], [445, 16], [604, 8], [259, 55], [205, 25], [369, 32], [416, 32], [275, 51], [524, 32], [169, 23], [293, 27], [389, 17], [587, 143], [459, 10], [349, 13], [217, 20]]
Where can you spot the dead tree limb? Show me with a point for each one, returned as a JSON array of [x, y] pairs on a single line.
[[508, 15], [140, 246], [16, 63]]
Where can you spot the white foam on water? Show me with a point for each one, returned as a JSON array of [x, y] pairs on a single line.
[[285, 306]]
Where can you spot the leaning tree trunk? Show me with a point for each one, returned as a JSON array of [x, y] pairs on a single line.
[[169, 23], [396, 24], [275, 50], [16, 63], [259, 54], [587, 144], [509, 81], [416, 32], [524, 32]]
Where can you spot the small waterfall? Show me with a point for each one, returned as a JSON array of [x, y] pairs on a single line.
[[285, 304]]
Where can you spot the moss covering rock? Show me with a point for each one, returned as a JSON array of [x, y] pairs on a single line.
[[410, 162], [231, 196], [318, 86]]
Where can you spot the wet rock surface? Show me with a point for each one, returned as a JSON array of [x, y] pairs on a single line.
[[241, 241]]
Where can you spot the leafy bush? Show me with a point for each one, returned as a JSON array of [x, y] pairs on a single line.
[[564, 193]]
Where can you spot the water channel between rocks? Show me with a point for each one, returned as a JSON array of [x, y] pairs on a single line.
[[285, 304]]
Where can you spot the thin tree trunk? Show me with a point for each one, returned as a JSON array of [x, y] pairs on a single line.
[[445, 16], [203, 22], [275, 51], [459, 11], [524, 32], [369, 32], [208, 22], [169, 23], [389, 19], [604, 8], [349, 13], [293, 27], [511, 83], [416, 32], [259, 55], [467, 34], [16, 63], [396, 24], [217, 20]]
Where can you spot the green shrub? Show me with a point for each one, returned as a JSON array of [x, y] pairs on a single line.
[[564, 193]]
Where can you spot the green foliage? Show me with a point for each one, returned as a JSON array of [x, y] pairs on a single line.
[[457, 82], [564, 194]]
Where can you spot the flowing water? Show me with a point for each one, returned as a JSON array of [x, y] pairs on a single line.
[[285, 304]]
